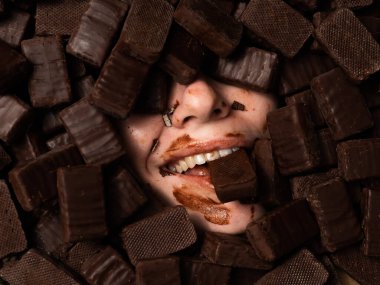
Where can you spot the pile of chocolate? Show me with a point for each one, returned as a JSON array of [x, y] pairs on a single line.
[[72, 210]]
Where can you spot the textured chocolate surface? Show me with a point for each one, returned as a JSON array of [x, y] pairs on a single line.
[[198, 272], [371, 202], [13, 28], [59, 140], [79, 253], [159, 271]]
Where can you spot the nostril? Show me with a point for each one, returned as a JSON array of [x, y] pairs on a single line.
[[217, 112], [188, 118]]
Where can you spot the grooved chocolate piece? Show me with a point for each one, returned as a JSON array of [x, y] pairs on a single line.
[[164, 233], [230, 250], [79, 253], [198, 272], [29, 146], [302, 5], [81, 202], [5, 159], [51, 124], [282, 230], [234, 177], [331, 204], [203, 19], [294, 142], [328, 148], [358, 159], [107, 268], [341, 104], [160, 271], [12, 237], [14, 117], [35, 181], [49, 83], [83, 87], [59, 140], [287, 33], [34, 268], [352, 4], [13, 27], [98, 26], [251, 68], [371, 225], [92, 132], [350, 44], [301, 268]]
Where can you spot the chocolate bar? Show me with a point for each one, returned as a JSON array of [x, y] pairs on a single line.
[[59, 140], [341, 104], [328, 148], [287, 34], [234, 177], [352, 4], [218, 31], [83, 87], [81, 202], [371, 242], [14, 27], [79, 253], [282, 230], [164, 233], [198, 272], [49, 83], [5, 159], [159, 271]]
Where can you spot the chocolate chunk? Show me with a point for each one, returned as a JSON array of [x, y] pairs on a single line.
[[79, 253], [301, 268], [159, 271], [83, 87], [12, 238], [49, 83], [371, 243], [294, 142], [331, 204], [230, 250], [5, 159], [35, 181], [203, 19], [107, 267], [92, 132], [29, 146], [93, 38], [51, 124], [282, 230], [352, 4], [59, 140], [366, 151], [350, 44], [341, 104], [234, 177], [287, 33], [81, 202], [198, 272], [164, 233], [328, 148], [13, 27]]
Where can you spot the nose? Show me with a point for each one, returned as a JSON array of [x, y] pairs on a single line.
[[199, 103]]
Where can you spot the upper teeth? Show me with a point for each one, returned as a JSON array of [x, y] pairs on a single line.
[[189, 162]]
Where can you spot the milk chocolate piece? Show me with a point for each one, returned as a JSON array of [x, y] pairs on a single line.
[[92, 132], [203, 19], [234, 177], [341, 104], [230, 250], [98, 26], [301, 268], [81, 202], [13, 27], [287, 33], [282, 230], [331, 204], [59, 140], [164, 233], [159, 271], [294, 142], [12, 238], [328, 148], [198, 272], [350, 44], [371, 243], [35, 181], [5, 159], [49, 83], [107, 268], [352, 4], [366, 151], [83, 87]]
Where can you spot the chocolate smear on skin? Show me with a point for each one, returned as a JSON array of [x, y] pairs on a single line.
[[238, 106], [234, 135], [212, 211], [180, 143]]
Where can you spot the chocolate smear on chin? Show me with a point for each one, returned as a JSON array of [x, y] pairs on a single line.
[[212, 211]]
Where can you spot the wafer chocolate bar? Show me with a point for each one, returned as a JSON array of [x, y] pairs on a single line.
[[14, 27], [198, 272], [5, 159], [159, 271], [371, 242]]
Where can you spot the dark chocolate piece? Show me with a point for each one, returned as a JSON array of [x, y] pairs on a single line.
[[29, 146], [13, 27], [5, 159], [341, 104], [282, 230], [59, 140], [328, 148], [294, 142], [92, 132], [350, 44], [198, 272], [160, 271], [83, 87], [79, 253], [371, 225], [287, 33], [234, 177], [352, 4], [203, 19], [164, 233]]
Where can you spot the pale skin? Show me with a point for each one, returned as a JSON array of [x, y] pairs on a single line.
[[202, 122]]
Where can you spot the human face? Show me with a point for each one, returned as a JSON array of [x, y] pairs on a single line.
[[202, 122]]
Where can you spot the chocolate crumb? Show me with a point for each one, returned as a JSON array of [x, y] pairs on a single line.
[[164, 172], [238, 106]]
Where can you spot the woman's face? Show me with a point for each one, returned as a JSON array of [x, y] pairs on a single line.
[[203, 122]]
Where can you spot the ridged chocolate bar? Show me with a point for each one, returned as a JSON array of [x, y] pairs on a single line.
[[350, 44], [282, 230], [287, 33], [164, 233], [352, 4], [159, 271], [49, 83], [93, 38], [58, 141], [81, 202], [13, 28], [371, 226], [341, 104], [203, 19], [35, 181], [5, 159], [328, 148], [92, 132], [198, 272]]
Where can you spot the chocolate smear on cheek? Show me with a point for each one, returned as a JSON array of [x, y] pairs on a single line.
[[212, 211], [180, 142], [234, 135]]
